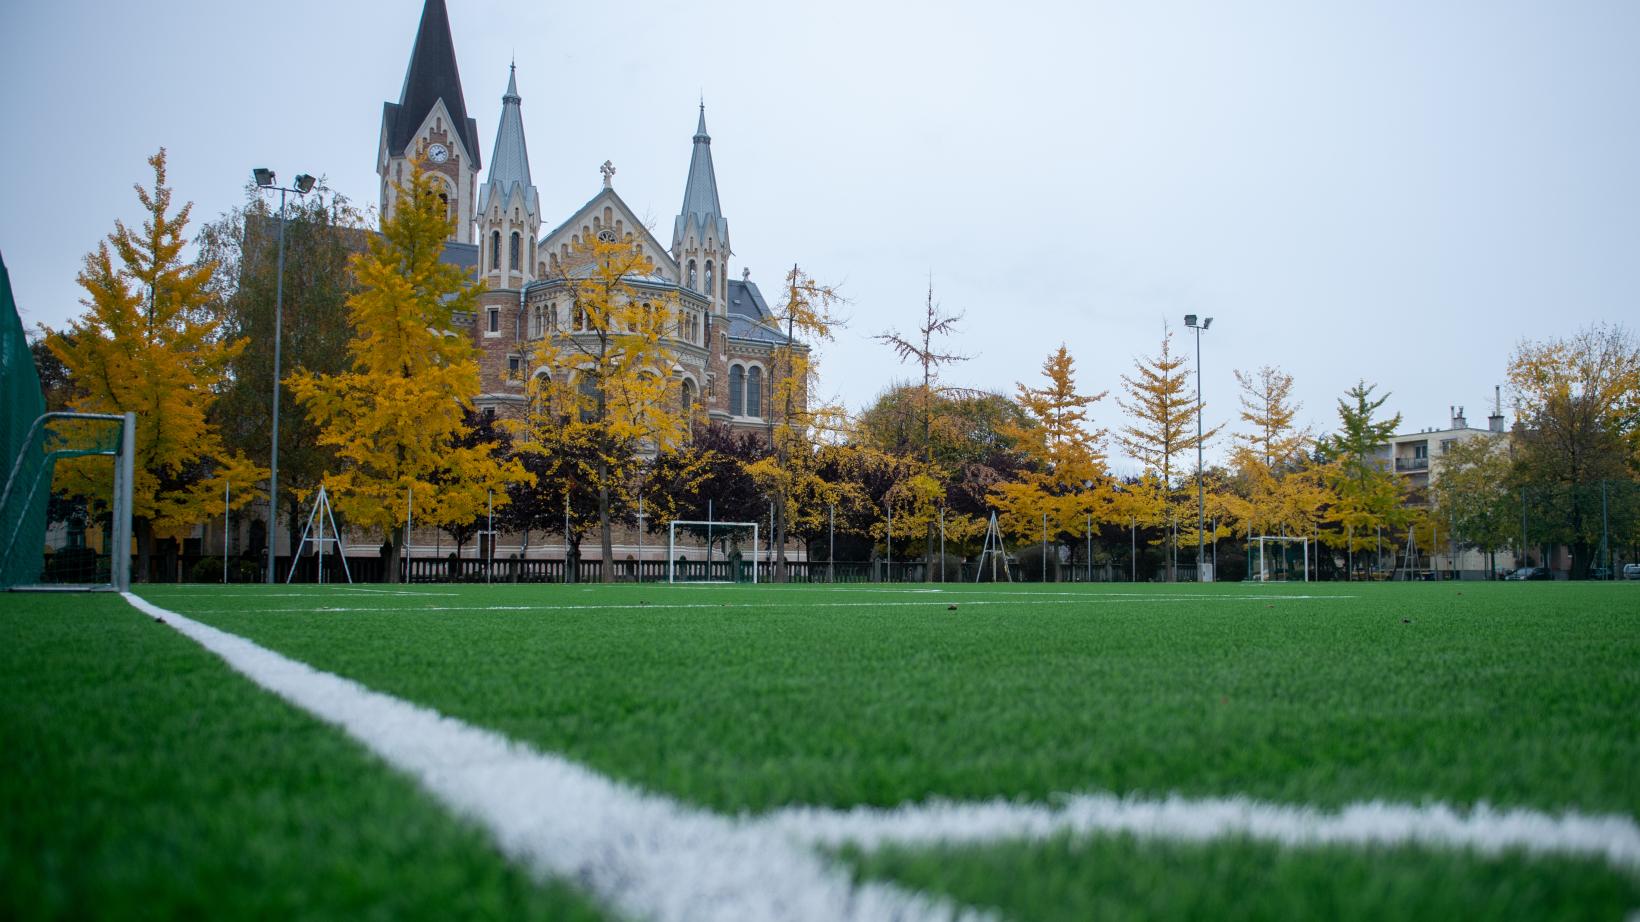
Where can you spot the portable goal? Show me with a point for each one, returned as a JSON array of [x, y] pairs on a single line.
[[65, 509], [722, 552], [1276, 557]]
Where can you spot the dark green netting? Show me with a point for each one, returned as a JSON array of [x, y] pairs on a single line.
[[22, 518]]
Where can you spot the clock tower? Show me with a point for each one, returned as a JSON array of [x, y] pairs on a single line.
[[430, 120]]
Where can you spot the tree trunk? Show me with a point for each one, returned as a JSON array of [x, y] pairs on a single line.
[[145, 548], [605, 540], [390, 566]]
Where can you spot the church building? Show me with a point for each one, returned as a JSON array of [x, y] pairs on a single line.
[[724, 334]]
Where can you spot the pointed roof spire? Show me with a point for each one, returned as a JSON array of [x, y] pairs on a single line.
[[700, 193], [432, 76], [510, 157]]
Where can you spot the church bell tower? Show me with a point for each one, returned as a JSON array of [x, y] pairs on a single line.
[[430, 120]]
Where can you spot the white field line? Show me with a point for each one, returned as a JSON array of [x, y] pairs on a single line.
[[1610, 838], [644, 855], [664, 606]]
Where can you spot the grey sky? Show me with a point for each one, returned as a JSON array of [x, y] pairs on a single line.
[[1392, 190]]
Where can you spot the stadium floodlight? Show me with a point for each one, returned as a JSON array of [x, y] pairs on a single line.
[[707, 572], [1201, 487], [304, 185]]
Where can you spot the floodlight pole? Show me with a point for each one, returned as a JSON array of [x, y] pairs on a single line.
[[304, 185], [1201, 489]]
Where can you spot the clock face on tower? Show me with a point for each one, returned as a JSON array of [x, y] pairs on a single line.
[[438, 153]]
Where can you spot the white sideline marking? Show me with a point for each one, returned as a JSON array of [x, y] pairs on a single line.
[[644, 855], [1609, 837]]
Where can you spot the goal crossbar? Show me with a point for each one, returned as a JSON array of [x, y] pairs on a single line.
[[710, 527]]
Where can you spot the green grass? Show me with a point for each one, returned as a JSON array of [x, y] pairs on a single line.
[[142, 778], [749, 698], [1116, 878], [1514, 695]]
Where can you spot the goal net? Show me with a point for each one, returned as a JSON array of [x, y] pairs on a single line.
[[711, 552], [65, 508], [1279, 559]]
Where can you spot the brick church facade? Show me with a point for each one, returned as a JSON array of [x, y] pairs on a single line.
[[723, 334]]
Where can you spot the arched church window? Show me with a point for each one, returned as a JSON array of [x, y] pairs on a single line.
[[686, 394], [709, 286], [737, 390], [515, 262], [589, 398], [754, 391], [495, 249], [692, 285]]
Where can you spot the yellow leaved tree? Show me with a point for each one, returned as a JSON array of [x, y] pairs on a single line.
[[150, 343], [397, 418], [1067, 480], [790, 475], [1162, 406], [1279, 491], [604, 401]]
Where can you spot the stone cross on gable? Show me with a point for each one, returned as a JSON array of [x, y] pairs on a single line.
[[608, 169]]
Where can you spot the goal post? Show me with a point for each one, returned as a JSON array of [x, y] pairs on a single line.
[[1280, 569], [710, 534], [47, 545]]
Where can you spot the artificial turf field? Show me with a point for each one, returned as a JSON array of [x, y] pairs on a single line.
[[145, 777]]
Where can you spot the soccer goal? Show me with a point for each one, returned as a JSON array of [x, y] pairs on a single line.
[[711, 552], [1280, 558], [65, 509]]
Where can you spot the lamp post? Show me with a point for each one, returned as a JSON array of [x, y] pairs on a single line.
[[304, 185], [1201, 490]]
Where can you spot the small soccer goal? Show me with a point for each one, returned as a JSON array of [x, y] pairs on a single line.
[[711, 552], [65, 509], [1279, 559]]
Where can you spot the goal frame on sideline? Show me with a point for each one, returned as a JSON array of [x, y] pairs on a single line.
[[671, 545], [17, 497], [1263, 569]]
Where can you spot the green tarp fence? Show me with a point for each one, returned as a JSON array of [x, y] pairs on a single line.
[[21, 403]]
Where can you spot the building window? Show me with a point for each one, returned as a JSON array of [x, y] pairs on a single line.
[[495, 249], [513, 363], [589, 399], [536, 316], [711, 385], [495, 320], [1446, 445], [754, 391], [1420, 451], [709, 287], [692, 286], [515, 261], [737, 390], [552, 317], [687, 394]]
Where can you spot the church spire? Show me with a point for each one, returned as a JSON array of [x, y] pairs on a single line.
[[432, 76], [701, 210], [510, 157]]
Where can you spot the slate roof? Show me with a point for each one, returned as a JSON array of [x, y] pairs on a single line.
[[431, 76], [749, 313], [510, 157], [700, 195]]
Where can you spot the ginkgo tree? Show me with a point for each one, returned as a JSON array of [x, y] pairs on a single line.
[[604, 402], [150, 343], [1279, 491], [397, 417], [1162, 406], [790, 474], [1067, 484], [1366, 498]]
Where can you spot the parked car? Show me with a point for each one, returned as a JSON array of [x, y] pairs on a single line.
[[1531, 573], [1600, 573], [1631, 571]]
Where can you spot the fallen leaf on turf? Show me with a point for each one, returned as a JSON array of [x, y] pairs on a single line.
[[950, 608]]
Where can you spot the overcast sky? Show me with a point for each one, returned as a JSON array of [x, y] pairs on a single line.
[[1395, 191]]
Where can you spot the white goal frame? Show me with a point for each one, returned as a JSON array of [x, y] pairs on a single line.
[[1263, 567], [672, 544]]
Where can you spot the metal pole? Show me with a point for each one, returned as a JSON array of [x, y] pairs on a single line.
[[1090, 547], [1133, 549], [1605, 543], [278, 335], [1201, 489], [831, 543], [942, 544], [888, 544], [1522, 561], [641, 518], [1044, 547], [227, 502], [489, 556]]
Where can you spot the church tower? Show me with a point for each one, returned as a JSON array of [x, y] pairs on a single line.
[[509, 213], [700, 236], [431, 117]]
